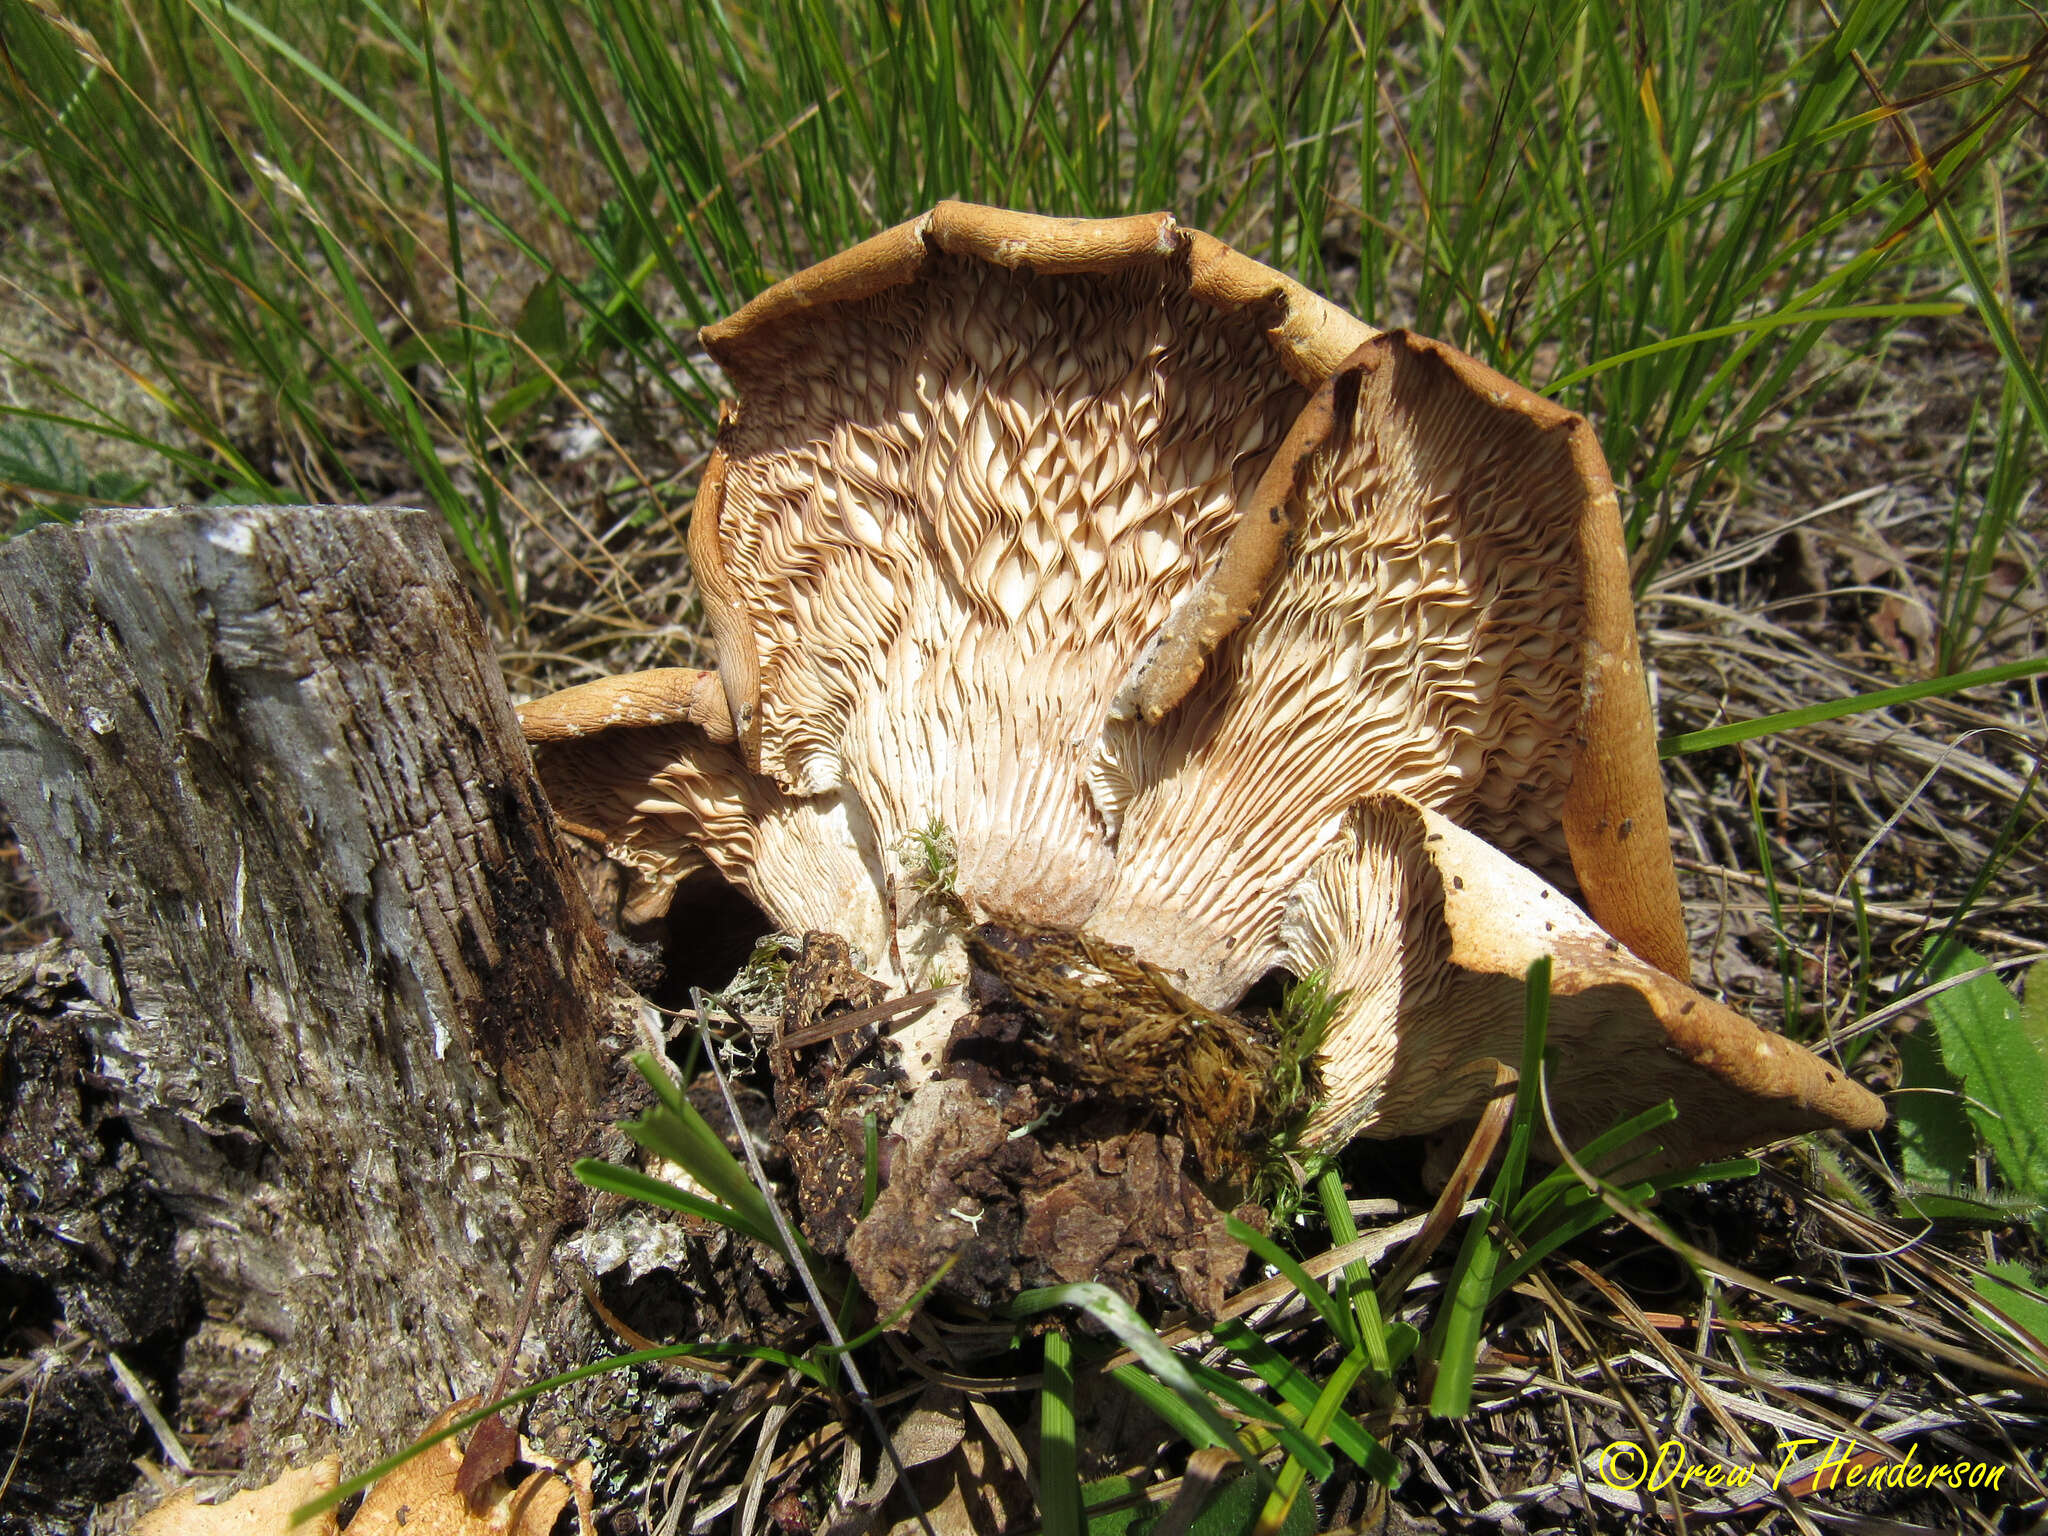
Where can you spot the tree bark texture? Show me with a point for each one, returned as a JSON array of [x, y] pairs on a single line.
[[263, 764]]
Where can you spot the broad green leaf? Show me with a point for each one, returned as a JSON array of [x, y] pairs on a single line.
[[2034, 1007], [1234, 1510], [1936, 1145], [1114, 1490], [1985, 1044], [543, 322], [1966, 1202]]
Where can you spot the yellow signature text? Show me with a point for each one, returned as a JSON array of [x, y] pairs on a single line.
[[1843, 1465]]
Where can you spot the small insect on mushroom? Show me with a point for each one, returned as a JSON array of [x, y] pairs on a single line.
[[1222, 634]]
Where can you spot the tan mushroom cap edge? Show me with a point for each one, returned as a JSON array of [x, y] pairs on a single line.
[[645, 765], [1613, 812], [1430, 932]]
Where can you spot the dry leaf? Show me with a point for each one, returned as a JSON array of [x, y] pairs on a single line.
[[1905, 627], [421, 1498], [969, 1492], [493, 1447], [264, 1511], [931, 1429]]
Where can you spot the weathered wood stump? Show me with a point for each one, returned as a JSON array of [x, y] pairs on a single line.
[[262, 762]]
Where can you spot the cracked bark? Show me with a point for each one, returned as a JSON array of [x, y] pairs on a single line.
[[262, 762]]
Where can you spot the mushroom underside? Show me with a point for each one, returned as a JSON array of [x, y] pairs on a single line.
[[1206, 647]]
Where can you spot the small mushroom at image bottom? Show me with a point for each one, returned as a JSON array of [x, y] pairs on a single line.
[[1104, 624]]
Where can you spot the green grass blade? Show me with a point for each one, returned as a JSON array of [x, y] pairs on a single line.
[[710, 1350], [1202, 1431], [1594, 1156], [1581, 1216], [1234, 1393], [1059, 1478], [1364, 1300], [1454, 1339], [1507, 1183], [675, 1130], [1834, 709], [1301, 1393], [635, 1185], [1136, 1335], [1337, 1317]]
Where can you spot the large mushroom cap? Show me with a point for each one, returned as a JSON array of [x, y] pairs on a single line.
[[1453, 624], [975, 464], [1200, 616]]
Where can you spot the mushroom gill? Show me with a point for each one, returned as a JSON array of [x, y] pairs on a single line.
[[1210, 623]]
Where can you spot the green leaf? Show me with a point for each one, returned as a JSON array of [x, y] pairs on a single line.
[[1234, 1510], [1937, 1148], [1596, 1156], [1985, 1043], [674, 1130], [2034, 1007], [2009, 1287], [1966, 1202], [1114, 1490], [1197, 1412], [709, 1349], [37, 456], [543, 322], [1580, 1212], [1365, 1302], [1059, 1485], [519, 399]]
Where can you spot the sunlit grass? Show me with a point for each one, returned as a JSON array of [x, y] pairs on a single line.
[[430, 232]]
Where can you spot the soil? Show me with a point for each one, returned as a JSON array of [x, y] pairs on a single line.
[[88, 1260], [992, 1169]]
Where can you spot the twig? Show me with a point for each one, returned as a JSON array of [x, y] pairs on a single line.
[[145, 1404]]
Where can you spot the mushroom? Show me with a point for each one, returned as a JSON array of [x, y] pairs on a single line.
[[1215, 627], [646, 765]]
